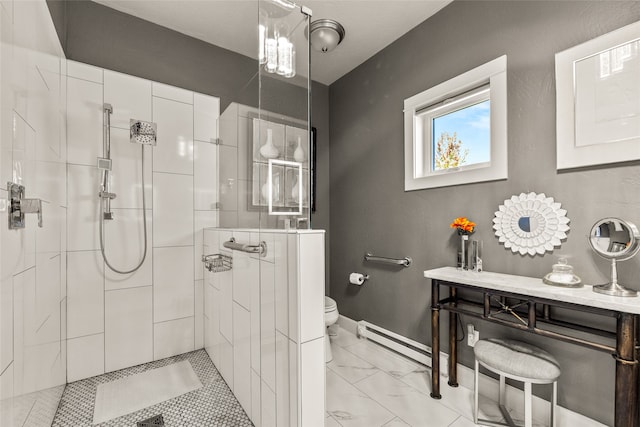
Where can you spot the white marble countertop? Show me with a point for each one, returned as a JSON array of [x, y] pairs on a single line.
[[535, 287]]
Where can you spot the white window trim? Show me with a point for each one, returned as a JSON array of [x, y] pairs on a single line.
[[493, 73]]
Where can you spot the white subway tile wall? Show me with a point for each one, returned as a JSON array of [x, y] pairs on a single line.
[[173, 293], [128, 334], [312, 381], [173, 93], [157, 311], [276, 374], [129, 96], [198, 339], [173, 337], [242, 356], [84, 72], [173, 210], [256, 401], [82, 209], [264, 333], [268, 406], [84, 121], [85, 357], [85, 293], [206, 111], [174, 151]]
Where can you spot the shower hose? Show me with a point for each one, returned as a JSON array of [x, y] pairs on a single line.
[[144, 220]]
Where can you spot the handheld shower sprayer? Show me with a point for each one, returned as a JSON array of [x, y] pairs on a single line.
[[140, 132]]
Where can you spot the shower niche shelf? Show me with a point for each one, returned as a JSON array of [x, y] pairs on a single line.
[[217, 263]]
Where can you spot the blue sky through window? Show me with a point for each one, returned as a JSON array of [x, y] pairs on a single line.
[[472, 126]]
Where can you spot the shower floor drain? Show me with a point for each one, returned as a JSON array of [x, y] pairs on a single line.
[[155, 421]]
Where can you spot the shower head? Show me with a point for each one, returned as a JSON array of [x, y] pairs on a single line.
[[141, 132]]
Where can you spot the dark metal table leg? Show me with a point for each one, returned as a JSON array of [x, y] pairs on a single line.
[[453, 341], [626, 387], [435, 340], [637, 357]]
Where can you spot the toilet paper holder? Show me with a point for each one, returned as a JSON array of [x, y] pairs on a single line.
[[354, 278]]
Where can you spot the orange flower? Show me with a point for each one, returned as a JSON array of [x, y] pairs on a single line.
[[463, 225]]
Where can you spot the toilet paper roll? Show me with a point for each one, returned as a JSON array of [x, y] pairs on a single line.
[[356, 279]]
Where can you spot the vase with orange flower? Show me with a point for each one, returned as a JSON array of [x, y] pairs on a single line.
[[465, 228]]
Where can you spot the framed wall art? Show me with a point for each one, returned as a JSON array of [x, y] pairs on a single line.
[[598, 100]]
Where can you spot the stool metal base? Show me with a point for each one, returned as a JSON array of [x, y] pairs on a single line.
[[505, 414], [528, 410]]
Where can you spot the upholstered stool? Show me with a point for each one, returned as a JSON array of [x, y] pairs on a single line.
[[519, 361]]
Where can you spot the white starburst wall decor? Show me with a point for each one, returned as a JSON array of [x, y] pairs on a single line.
[[531, 224]]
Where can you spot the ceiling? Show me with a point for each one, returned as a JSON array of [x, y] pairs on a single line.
[[370, 25]]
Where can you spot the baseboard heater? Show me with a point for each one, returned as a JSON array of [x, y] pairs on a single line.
[[398, 343]]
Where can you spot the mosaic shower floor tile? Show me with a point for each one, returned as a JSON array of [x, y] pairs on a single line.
[[211, 405]]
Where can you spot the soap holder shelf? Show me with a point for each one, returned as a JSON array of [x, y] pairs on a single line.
[[217, 263]]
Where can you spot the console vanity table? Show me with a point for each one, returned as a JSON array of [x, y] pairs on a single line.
[[525, 303]]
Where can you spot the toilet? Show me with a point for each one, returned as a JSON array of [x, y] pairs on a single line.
[[330, 317]]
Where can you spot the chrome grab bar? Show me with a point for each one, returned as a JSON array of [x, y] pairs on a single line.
[[405, 262], [260, 248]]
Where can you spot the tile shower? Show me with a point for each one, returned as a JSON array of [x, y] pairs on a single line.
[[116, 321], [66, 317], [264, 324], [165, 308], [33, 296]]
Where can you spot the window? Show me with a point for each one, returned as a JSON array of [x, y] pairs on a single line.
[[455, 132]]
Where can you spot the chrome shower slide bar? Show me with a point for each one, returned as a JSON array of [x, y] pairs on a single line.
[[405, 262], [260, 248]]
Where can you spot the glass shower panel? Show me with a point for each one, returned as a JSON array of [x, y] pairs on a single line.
[[282, 160], [265, 170], [281, 184]]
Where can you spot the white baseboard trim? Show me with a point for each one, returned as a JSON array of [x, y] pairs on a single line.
[[489, 388], [349, 325]]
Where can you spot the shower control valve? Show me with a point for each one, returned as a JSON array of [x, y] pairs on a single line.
[[19, 206]]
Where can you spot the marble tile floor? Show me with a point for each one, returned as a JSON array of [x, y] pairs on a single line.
[[370, 386], [367, 386]]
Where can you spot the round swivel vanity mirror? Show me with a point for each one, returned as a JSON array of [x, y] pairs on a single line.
[[617, 240]]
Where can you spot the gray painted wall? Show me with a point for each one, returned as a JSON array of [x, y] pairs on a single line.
[[101, 36], [58, 11], [371, 212], [320, 120], [98, 35]]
